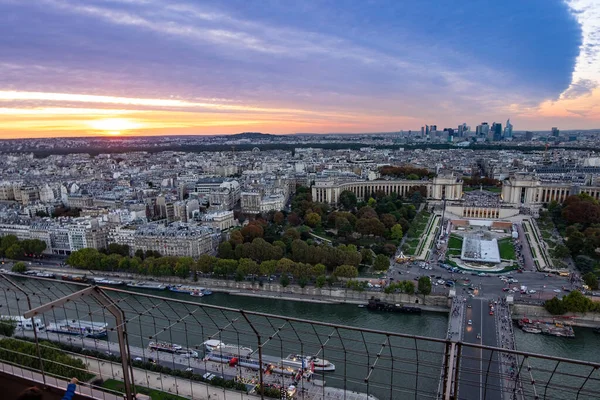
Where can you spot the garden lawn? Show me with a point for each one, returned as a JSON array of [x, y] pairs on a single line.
[[507, 249], [455, 242]]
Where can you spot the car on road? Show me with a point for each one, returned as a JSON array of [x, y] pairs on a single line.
[[532, 291], [469, 322], [505, 289], [491, 312], [469, 306], [138, 359], [556, 290], [479, 336], [208, 376], [189, 369]]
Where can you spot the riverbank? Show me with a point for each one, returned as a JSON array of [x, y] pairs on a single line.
[[277, 291], [587, 320]]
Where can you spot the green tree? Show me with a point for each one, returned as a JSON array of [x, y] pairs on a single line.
[[15, 251], [206, 263], [318, 270], [320, 281], [6, 242], [19, 267], [396, 232], [115, 248], [285, 280], [268, 267], [424, 285], [408, 287], [248, 266], [345, 271], [591, 280], [382, 263], [555, 306], [561, 251], [7, 327], [226, 251], [348, 200], [109, 263], [183, 267], [366, 255]]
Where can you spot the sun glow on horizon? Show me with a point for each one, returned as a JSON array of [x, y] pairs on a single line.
[[115, 126]]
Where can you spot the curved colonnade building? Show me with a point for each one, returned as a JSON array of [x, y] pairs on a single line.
[[521, 191]]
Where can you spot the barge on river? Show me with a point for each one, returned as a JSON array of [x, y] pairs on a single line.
[[378, 305], [555, 328]]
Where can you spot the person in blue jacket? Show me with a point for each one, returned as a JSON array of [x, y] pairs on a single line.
[[35, 393], [70, 389]]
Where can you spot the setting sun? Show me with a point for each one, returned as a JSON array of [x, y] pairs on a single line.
[[114, 126]]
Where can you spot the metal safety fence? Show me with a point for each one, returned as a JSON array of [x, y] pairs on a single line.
[[120, 344]]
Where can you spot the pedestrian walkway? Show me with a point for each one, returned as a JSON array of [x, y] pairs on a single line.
[[511, 384], [455, 321]]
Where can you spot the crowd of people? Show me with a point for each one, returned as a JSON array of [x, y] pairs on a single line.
[[508, 361]]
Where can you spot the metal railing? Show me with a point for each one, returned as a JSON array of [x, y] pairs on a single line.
[[369, 363]]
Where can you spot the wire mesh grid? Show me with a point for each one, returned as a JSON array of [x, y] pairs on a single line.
[[202, 351]]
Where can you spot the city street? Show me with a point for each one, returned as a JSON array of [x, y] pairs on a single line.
[[474, 380]]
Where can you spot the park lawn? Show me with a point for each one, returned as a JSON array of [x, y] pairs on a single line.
[[119, 386], [455, 242], [507, 249]]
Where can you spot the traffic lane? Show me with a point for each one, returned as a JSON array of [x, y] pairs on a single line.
[[489, 332], [479, 377], [470, 363]]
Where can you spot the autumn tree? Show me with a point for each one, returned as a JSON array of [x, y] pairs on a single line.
[[236, 238], [278, 218], [313, 219], [252, 231]]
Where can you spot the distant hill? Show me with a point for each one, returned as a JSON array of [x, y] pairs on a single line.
[[251, 135]]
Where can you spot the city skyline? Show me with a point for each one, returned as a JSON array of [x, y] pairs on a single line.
[[146, 67]]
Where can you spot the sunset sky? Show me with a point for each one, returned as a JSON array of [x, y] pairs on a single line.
[[154, 67]]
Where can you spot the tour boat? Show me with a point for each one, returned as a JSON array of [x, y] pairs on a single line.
[[24, 323], [166, 347], [197, 293], [147, 285], [312, 362], [531, 329], [76, 327], [184, 289], [107, 282], [218, 347]]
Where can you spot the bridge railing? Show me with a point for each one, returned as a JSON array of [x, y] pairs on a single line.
[[369, 363]]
